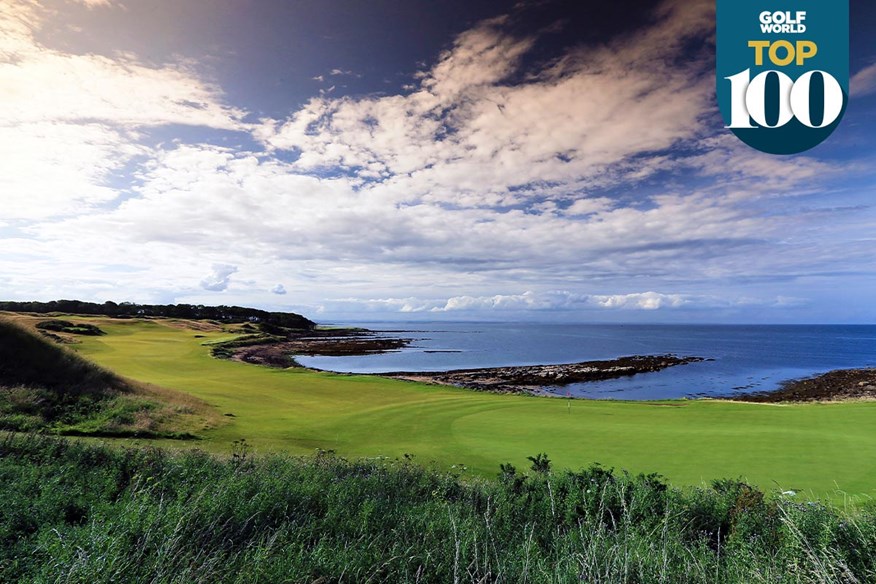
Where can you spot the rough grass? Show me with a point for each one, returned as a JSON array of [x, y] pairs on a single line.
[[86, 514], [47, 387], [28, 359], [817, 449]]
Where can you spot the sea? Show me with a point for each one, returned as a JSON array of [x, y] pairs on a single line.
[[739, 358]]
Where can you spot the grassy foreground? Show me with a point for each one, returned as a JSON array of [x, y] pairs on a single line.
[[79, 513], [817, 448]]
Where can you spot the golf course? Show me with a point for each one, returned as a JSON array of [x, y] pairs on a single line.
[[821, 449]]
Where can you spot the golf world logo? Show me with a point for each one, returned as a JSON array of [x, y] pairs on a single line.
[[782, 71]]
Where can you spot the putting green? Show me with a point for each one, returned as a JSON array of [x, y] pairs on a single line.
[[817, 448]]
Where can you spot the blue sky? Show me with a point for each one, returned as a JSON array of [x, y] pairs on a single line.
[[358, 160]]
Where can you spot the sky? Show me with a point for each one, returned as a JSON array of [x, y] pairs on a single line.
[[360, 160]]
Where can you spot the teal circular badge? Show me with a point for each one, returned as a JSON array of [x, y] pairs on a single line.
[[782, 76]]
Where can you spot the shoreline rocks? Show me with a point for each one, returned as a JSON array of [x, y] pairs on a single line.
[[532, 378], [837, 385], [329, 343]]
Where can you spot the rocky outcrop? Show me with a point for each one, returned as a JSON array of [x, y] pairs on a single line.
[[334, 342], [530, 378], [842, 384]]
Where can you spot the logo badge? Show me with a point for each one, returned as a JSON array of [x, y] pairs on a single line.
[[782, 71]]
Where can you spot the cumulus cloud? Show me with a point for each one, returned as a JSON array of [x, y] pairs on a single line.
[[219, 279], [564, 301], [527, 300], [640, 301], [279, 289], [479, 59], [863, 82]]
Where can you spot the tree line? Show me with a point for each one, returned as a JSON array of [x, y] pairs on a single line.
[[229, 314]]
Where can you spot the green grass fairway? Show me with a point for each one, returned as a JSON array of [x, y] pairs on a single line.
[[817, 448]]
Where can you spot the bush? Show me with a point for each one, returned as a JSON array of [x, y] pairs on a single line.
[[64, 326]]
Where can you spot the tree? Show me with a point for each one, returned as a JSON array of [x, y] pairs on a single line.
[[540, 463]]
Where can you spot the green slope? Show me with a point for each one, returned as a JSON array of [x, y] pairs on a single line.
[[26, 358], [45, 386], [816, 447]]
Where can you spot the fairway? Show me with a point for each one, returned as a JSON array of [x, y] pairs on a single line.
[[818, 448]]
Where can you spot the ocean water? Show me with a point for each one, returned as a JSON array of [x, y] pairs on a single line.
[[742, 358]]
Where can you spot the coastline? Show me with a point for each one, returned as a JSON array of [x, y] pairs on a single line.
[[321, 342], [832, 386]]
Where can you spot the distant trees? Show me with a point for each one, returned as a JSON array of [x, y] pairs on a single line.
[[230, 314]]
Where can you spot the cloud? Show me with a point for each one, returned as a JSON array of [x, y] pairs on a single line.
[[49, 85], [640, 301], [264, 208], [219, 279], [524, 301], [468, 136], [96, 3], [59, 169], [279, 289], [69, 121], [565, 300], [562, 301], [863, 82], [480, 58], [588, 206], [591, 181]]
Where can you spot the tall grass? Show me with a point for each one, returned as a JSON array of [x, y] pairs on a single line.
[[81, 513]]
